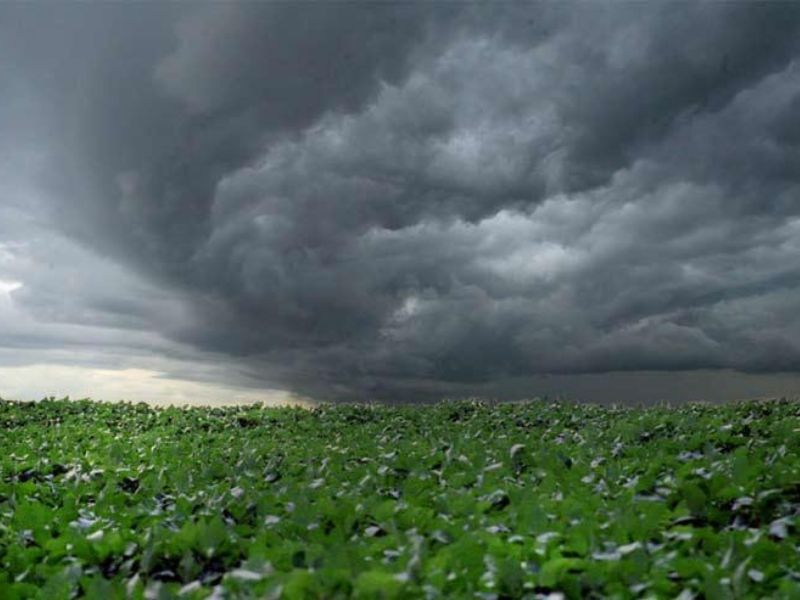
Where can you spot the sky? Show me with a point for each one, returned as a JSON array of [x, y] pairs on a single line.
[[225, 202]]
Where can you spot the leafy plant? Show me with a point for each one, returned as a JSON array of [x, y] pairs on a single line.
[[458, 499]]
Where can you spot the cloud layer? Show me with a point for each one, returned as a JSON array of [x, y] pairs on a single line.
[[384, 200]]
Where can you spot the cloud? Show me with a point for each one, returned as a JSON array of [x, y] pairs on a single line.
[[387, 200]]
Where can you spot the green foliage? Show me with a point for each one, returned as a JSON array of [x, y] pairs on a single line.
[[460, 499]]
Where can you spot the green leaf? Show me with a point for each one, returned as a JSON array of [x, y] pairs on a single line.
[[554, 570]]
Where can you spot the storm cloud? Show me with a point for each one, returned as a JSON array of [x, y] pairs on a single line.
[[407, 200]]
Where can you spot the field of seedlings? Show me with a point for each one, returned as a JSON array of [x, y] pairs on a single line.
[[453, 500]]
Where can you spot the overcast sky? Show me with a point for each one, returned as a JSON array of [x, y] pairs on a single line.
[[381, 201]]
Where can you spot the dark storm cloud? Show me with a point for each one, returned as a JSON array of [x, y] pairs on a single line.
[[379, 199]]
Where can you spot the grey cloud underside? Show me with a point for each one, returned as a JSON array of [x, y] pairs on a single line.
[[381, 199]]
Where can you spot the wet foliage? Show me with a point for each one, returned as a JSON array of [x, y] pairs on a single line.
[[454, 500]]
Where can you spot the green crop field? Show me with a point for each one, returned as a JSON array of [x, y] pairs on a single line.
[[454, 500]]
